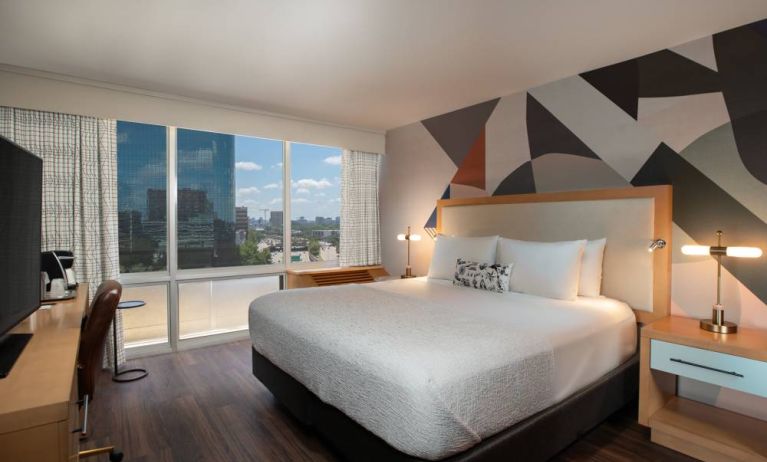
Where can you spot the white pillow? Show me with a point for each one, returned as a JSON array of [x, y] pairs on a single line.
[[448, 249], [547, 269], [591, 268]]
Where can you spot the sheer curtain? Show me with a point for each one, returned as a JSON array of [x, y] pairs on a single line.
[[79, 191], [360, 228]]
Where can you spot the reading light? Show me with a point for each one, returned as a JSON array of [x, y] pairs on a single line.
[[656, 244], [717, 322], [408, 237]]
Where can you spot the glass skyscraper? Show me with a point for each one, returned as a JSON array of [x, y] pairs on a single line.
[[206, 163], [141, 196], [206, 200]]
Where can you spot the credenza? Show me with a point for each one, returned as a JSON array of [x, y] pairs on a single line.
[[39, 414]]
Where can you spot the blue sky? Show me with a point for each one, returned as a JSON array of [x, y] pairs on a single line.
[[316, 171]]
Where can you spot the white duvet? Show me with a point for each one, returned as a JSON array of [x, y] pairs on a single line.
[[433, 369]]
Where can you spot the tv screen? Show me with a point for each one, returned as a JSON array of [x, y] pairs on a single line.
[[20, 224]]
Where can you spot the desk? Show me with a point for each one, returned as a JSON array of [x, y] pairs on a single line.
[[38, 408]]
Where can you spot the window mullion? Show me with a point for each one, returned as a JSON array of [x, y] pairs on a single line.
[[287, 243], [172, 250]]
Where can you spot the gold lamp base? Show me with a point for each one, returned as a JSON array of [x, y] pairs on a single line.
[[726, 327], [408, 273], [717, 323]]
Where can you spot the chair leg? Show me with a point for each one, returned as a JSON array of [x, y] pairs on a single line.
[[115, 455], [84, 429]]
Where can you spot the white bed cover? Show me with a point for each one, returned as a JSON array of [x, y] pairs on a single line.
[[433, 369]]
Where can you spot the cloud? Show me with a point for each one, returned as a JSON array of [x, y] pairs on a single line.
[[277, 165], [276, 200], [302, 191], [247, 166], [333, 160], [252, 204], [300, 200], [310, 183], [272, 186], [248, 191]]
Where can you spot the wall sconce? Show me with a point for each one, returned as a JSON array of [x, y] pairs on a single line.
[[717, 322], [656, 244], [408, 237]]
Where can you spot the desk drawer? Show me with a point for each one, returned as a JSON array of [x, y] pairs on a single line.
[[721, 369]]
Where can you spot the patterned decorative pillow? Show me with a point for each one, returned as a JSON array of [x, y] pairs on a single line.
[[482, 275]]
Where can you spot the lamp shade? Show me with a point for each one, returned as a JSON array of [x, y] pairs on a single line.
[[408, 237], [696, 250], [738, 252], [744, 252]]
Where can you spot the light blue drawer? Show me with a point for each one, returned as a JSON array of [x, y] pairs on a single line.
[[721, 369]]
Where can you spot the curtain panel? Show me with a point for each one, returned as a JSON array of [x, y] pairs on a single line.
[[79, 192], [360, 239]]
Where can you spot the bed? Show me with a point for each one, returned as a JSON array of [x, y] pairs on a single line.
[[422, 370]]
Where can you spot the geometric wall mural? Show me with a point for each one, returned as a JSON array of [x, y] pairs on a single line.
[[694, 116]]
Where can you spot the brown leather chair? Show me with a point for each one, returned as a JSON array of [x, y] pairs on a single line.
[[96, 323]]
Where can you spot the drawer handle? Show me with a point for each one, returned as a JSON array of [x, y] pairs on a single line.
[[682, 361]]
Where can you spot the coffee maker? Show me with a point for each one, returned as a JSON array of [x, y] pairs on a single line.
[[59, 265]]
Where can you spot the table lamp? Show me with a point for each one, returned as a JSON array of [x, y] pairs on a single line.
[[408, 237], [717, 323]]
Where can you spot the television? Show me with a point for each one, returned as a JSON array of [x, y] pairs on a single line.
[[20, 229]]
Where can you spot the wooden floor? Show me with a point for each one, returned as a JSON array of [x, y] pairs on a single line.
[[205, 405]]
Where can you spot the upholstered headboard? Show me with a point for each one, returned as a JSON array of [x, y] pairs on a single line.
[[630, 219]]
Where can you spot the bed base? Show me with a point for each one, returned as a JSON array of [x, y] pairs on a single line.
[[539, 437]]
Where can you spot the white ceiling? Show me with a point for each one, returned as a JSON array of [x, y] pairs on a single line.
[[376, 64]]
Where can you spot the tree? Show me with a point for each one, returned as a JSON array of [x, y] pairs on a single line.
[[251, 255], [314, 247]]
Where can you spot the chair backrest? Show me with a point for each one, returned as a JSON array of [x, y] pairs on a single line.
[[100, 315]]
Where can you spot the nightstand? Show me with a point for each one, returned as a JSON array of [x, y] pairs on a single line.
[[675, 347]]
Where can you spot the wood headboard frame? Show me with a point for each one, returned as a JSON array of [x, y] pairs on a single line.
[[662, 200]]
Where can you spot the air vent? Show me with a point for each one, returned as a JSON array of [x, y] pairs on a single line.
[[322, 277]]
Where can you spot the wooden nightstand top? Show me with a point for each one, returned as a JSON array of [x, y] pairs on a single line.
[[748, 343]]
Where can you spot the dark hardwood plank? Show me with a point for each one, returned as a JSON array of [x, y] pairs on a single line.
[[205, 405]]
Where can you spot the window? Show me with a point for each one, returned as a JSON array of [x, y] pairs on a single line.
[[218, 306], [148, 324], [315, 202], [198, 259], [229, 202], [141, 197]]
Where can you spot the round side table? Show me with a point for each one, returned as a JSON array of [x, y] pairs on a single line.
[[135, 373]]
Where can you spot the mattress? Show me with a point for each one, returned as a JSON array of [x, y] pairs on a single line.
[[434, 369]]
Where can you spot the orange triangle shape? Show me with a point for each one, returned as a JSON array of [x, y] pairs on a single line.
[[472, 169]]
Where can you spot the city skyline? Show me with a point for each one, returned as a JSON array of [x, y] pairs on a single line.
[[315, 182], [225, 182]]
